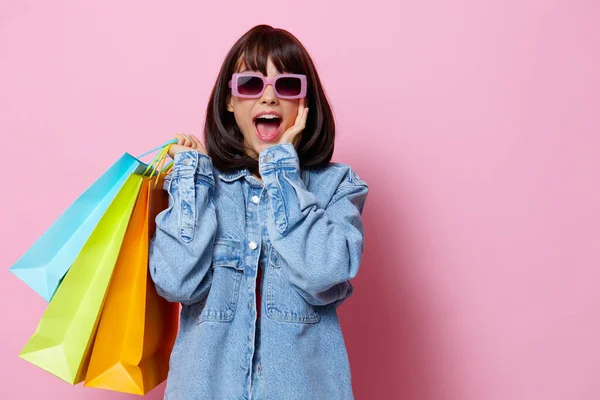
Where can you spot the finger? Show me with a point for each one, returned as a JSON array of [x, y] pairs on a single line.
[[180, 139], [187, 141], [192, 144], [301, 121], [196, 141], [304, 118], [301, 109]]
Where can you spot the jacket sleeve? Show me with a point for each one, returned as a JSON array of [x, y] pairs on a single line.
[[321, 247], [180, 252]]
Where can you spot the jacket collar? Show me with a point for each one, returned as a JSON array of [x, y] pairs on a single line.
[[232, 176], [240, 173]]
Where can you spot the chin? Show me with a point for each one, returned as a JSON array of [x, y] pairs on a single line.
[[259, 145]]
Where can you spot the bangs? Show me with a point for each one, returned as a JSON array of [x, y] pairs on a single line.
[[284, 53]]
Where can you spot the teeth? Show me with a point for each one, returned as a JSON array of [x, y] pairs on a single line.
[[268, 116]]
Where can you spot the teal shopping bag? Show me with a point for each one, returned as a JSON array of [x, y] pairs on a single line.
[[47, 261]]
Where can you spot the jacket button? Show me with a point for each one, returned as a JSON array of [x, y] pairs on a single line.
[[252, 245], [255, 199]]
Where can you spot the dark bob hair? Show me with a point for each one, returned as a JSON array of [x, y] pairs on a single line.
[[223, 138]]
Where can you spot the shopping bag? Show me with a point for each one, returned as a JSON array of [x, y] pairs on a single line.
[[62, 342], [137, 328], [45, 263]]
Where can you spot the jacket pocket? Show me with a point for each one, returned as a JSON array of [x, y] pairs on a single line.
[[227, 274], [283, 302]]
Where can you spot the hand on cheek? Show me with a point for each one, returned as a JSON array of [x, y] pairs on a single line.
[[293, 134]]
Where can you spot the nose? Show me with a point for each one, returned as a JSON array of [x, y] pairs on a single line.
[[269, 96]]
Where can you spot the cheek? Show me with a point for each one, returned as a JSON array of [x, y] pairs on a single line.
[[243, 113]]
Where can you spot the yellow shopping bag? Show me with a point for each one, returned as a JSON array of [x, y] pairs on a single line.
[[63, 340], [137, 328]]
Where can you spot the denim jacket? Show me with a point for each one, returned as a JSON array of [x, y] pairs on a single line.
[[303, 229]]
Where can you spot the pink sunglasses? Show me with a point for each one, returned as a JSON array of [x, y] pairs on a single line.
[[252, 85]]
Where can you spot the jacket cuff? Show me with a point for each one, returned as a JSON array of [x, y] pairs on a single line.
[[192, 163], [280, 171]]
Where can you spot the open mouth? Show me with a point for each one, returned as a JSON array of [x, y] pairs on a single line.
[[267, 127]]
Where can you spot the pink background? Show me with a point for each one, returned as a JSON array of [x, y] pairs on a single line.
[[474, 122]]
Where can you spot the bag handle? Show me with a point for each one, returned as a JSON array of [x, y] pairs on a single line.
[[159, 160], [172, 141]]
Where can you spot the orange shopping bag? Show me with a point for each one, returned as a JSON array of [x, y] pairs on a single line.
[[137, 328]]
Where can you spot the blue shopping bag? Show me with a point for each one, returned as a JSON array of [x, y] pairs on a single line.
[[47, 261]]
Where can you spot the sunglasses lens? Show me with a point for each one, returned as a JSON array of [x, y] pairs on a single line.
[[288, 86], [249, 85]]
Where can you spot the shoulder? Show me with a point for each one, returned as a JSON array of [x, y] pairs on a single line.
[[333, 180], [336, 175]]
